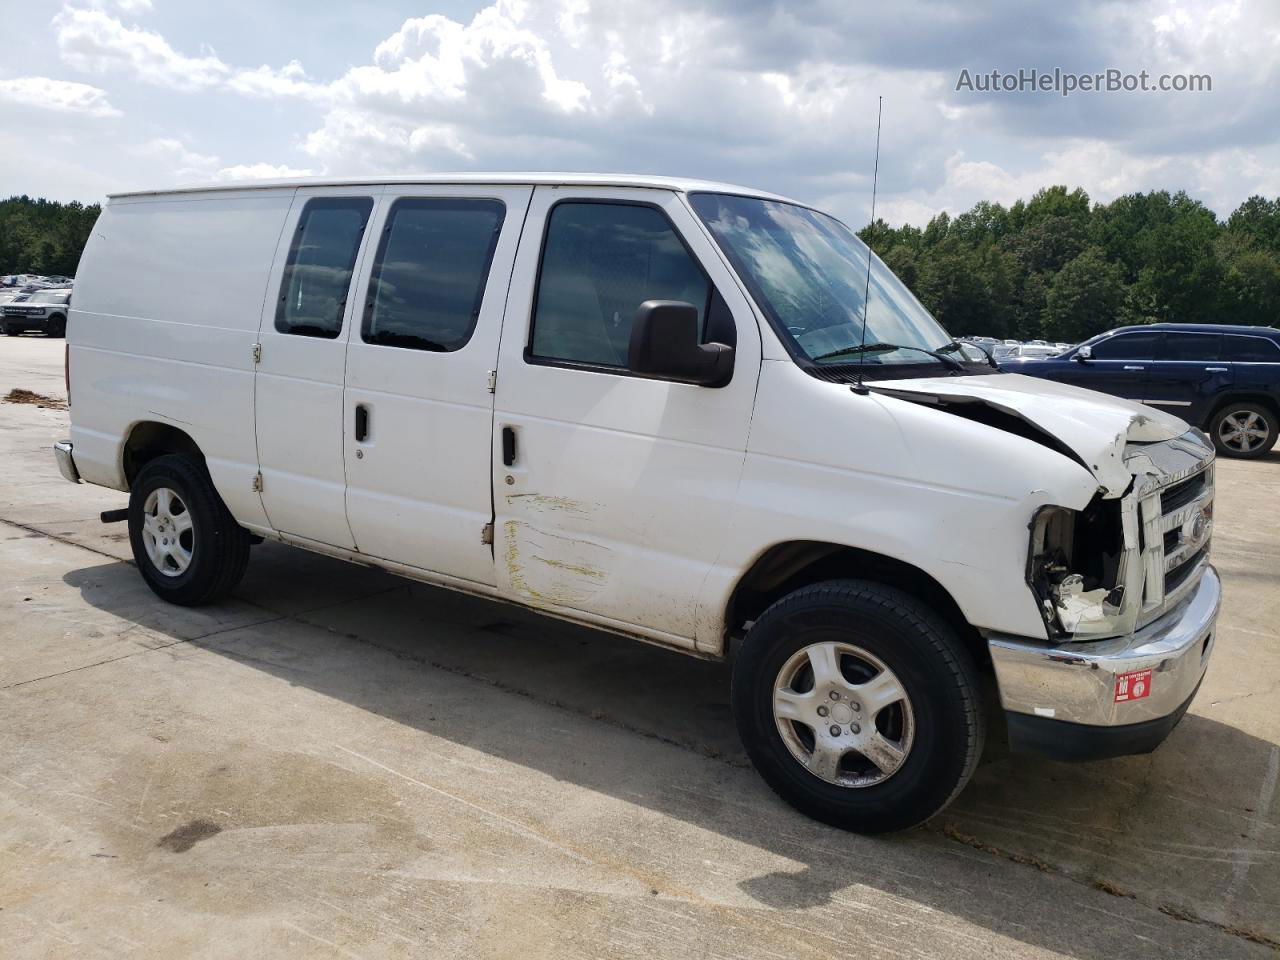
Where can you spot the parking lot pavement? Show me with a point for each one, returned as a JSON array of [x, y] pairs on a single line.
[[342, 763]]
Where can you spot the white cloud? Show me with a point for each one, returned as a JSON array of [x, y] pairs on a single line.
[[124, 6], [183, 164], [435, 59], [291, 80], [261, 171], [63, 96], [96, 42], [777, 96]]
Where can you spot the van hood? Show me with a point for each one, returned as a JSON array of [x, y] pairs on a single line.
[[1090, 427]]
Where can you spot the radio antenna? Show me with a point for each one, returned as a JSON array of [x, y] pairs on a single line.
[[866, 290]]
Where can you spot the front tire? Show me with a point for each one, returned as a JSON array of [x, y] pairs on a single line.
[[1244, 430], [57, 327], [858, 705], [187, 546]]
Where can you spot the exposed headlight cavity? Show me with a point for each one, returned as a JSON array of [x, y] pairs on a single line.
[[1074, 567]]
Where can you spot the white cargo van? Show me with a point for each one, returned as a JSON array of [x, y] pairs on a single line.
[[650, 405]]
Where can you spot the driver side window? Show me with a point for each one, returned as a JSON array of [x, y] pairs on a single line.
[[600, 261], [1128, 346]]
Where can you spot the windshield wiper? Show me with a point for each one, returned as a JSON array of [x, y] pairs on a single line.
[[938, 355], [955, 345]]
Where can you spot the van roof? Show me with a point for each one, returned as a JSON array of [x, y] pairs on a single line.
[[681, 184]]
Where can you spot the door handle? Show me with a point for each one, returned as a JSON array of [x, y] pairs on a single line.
[[508, 446], [1215, 370], [362, 423], [1127, 367]]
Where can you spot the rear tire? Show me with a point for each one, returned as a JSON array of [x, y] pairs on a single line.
[[188, 547], [850, 664], [1244, 430]]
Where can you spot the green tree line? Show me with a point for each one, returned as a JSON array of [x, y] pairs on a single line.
[[1059, 267], [43, 236]]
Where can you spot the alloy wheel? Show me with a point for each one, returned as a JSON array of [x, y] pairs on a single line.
[[167, 532], [1243, 431], [843, 714]]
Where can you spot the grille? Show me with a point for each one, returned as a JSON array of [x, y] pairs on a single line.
[[1176, 529], [1177, 576], [1184, 491]]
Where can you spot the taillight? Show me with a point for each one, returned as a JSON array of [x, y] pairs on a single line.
[[66, 369]]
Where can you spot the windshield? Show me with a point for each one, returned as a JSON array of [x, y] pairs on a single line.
[[808, 273], [43, 297]]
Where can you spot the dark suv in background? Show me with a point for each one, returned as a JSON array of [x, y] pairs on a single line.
[[1223, 379]]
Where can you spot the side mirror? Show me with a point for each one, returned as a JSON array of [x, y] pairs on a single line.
[[1084, 353], [664, 344]]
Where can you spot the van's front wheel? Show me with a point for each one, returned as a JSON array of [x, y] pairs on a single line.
[[188, 547], [858, 705]]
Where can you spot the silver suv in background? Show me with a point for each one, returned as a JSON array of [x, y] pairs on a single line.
[[42, 310]]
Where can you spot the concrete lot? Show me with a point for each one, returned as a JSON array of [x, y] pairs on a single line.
[[339, 763]]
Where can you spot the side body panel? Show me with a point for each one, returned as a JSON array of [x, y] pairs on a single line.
[[1120, 378], [942, 493], [1259, 375], [1188, 375], [165, 314], [620, 496], [418, 487]]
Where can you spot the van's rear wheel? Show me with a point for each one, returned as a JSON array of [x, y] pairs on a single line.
[[187, 545], [858, 705]]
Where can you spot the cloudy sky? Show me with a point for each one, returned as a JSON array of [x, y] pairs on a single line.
[[101, 95]]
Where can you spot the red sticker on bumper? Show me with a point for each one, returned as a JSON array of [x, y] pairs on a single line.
[[1133, 686]]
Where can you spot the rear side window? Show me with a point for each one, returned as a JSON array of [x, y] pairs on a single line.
[[322, 256], [429, 276], [1128, 346], [1190, 346], [601, 261], [1252, 349]]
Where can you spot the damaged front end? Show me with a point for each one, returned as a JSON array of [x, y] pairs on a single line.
[[1123, 560], [1141, 544]]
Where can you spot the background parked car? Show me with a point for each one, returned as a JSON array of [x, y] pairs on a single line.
[[1037, 351], [1224, 379], [43, 310]]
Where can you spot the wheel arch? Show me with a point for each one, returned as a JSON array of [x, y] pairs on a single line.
[[788, 566], [149, 439], [1262, 398]]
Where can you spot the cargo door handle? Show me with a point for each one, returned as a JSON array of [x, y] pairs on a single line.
[[1127, 367], [1215, 369], [362, 423], [508, 446]]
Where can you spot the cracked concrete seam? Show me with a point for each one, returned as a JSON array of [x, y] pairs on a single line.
[[952, 833]]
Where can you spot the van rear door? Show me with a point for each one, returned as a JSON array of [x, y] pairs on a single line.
[[418, 412], [299, 383]]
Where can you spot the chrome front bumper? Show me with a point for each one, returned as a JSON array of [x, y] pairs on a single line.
[[1079, 686], [66, 463]]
